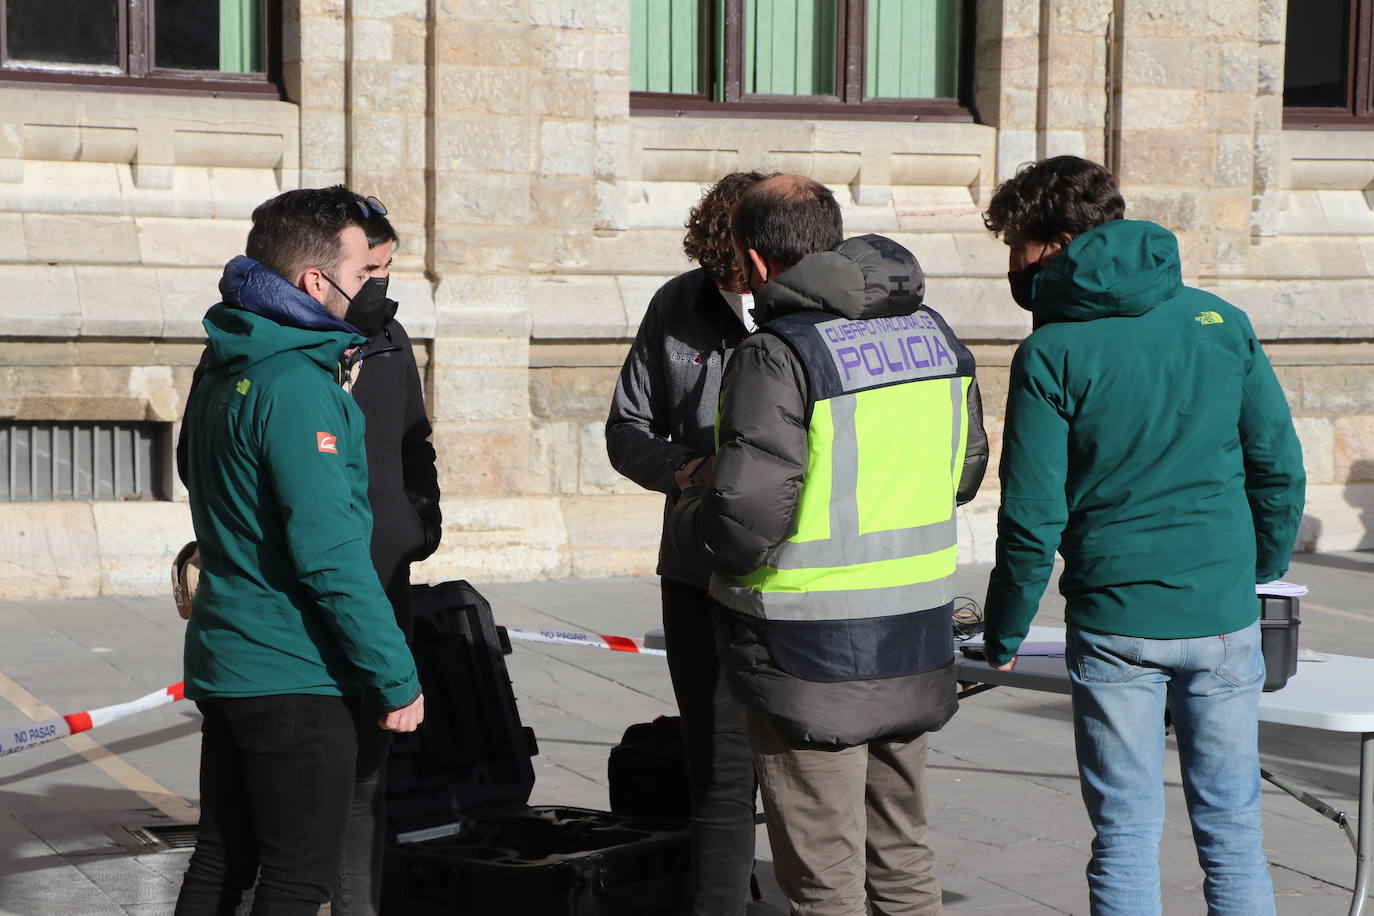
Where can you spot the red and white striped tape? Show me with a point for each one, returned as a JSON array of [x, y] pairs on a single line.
[[32, 734], [585, 640]]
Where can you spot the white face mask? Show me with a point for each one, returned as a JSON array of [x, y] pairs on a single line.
[[743, 306]]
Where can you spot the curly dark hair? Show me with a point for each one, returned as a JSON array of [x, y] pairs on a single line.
[[708, 240], [1046, 200]]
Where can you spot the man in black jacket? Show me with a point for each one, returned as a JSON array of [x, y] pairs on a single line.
[[660, 434], [850, 428], [403, 491]]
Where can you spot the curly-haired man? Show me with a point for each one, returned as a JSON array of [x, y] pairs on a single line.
[[660, 434], [1146, 438]]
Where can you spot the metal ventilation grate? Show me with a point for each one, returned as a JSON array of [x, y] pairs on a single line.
[[168, 836], [47, 461]]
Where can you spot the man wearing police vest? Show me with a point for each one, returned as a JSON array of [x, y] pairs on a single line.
[[850, 429]]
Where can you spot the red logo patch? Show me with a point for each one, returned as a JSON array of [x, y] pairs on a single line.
[[327, 442]]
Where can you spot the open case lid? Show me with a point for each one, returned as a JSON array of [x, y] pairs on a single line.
[[471, 756]]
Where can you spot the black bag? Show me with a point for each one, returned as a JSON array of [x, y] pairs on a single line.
[[647, 772]]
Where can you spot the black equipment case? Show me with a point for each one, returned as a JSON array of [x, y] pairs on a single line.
[[461, 838], [1279, 639]]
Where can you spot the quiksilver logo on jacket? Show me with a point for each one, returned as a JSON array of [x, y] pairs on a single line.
[[327, 442], [898, 348]]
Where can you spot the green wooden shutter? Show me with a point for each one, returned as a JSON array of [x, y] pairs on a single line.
[[790, 47], [665, 46], [240, 36], [913, 49]]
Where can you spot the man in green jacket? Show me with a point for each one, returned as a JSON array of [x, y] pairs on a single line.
[[1146, 438], [291, 628]]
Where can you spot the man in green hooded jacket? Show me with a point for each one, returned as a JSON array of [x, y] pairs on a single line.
[[290, 627], [1148, 440]]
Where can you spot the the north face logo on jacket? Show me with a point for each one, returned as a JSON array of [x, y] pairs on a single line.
[[327, 442]]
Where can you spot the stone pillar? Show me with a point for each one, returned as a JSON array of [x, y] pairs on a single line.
[[313, 51], [1008, 79], [1073, 64], [530, 127], [1188, 117], [387, 91], [1270, 193], [1041, 76], [484, 141]]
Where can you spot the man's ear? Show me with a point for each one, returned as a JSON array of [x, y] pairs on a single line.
[[761, 266], [313, 283], [1059, 244]]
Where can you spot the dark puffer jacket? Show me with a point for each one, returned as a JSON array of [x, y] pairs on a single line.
[[751, 505]]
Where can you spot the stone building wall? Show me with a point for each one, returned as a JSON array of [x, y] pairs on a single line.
[[538, 216]]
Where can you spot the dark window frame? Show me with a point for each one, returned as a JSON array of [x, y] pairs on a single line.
[[139, 72], [850, 64], [1358, 113]]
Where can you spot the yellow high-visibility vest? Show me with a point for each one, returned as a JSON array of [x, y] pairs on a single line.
[[875, 529]]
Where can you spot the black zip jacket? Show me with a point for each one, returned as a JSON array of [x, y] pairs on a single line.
[[664, 408], [402, 483]]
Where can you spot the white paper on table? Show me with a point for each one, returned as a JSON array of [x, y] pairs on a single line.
[[1279, 588]]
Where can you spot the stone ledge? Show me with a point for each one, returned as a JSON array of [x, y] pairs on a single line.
[[578, 307], [1305, 309], [870, 157], [1327, 212], [137, 541], [135, 301], [92, 393], [147, 129], [1327, 160], [88, 549]]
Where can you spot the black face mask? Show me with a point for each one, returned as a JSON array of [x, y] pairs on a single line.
[[369, 309], [1022, 283]]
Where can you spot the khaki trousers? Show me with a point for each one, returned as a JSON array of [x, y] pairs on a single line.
[[847, 825]]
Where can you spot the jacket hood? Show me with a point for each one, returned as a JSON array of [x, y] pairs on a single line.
[[263, 315], [868, 276], [251, 285], [1123, 268]]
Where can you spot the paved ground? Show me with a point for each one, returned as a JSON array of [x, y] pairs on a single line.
[[1007, 821]]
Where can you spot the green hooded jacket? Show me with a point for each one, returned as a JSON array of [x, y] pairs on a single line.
[[288, 600], [1148, 440]]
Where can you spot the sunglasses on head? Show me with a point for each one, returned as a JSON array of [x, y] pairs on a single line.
[[370, 205]]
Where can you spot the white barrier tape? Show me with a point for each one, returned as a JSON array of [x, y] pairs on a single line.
[[33, 734], [585, 640]]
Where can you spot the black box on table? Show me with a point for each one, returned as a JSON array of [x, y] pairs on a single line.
[[1279, 639]]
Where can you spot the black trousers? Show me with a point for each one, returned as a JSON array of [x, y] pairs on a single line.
[[358, 886], [276, 774], [719, 763]]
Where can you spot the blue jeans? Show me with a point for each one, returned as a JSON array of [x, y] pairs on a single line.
[[1212, 683]]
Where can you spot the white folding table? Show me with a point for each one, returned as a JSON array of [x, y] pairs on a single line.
[[1336, 695]]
